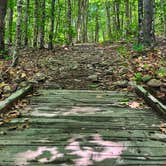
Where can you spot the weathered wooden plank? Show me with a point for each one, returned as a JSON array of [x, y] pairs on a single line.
[[151, 101], [61, 118]]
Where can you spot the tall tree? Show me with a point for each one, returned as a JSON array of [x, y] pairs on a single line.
[[140, 21], [79, 20], [97, 27], [3, 8], [26, 23], [36, 28], [18, 33], [10, 21], [85, 20], [148, 32], [127, 12], [69, 21], [52, 25], [42, 26], [107, 4]]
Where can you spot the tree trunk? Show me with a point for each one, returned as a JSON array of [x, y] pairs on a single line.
[[127, 6], [79, 22], [140, 21], [3, 8], [10, 22], [85, 20], [42, 26], [18, 33], [69, 21], [149, 37], [36, 13], [97, 28], [26, 23], [52, 20], [117, 4], [107, 4]]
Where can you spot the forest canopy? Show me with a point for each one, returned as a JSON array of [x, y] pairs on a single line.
[[43, 23]]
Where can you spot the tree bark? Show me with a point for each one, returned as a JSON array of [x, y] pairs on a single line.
[[127, 10], [97, 28], [36, 13], [79, 21], [85, 20], [26, 23], [3, 8], [69, 20], [140, 21], [42, 26], [107, 4], [52, 25], [148, 33], [18, 33]]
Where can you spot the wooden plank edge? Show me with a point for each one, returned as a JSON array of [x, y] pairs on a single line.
[[151, 100], [8, 102]]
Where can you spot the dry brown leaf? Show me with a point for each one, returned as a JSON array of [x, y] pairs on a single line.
[[163, 127], [134, 104]]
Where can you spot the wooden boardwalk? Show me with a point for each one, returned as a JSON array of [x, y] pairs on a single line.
[[83, 128]]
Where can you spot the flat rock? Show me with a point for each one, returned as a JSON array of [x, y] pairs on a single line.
[[93, 78], [154, 83], [40, 77], [121, 84]]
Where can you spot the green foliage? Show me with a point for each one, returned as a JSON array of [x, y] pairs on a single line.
[[122, 51], [138, 48], [146, 78], [161, 71], [138, 77]]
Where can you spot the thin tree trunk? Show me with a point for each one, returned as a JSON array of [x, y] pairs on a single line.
[[10, 26], [117, 4], [58, 18], [52, 20], [97, 28], [69, 20], [36, 13], [42, 26], [3, 8], [140, 21], [107, 4], [26, 23], [18, 33], [127, 17], [79, 22]]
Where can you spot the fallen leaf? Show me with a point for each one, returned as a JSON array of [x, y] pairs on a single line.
[[163, 127], [134, 104]]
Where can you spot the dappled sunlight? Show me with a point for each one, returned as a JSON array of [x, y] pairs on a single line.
[[65, 112], [88, 155], [98, 151], [25, 157]]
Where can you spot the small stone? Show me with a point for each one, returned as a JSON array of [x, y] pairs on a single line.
[[109, 71], [7, 89], [40, 77], [121, 84], [23, 84], [123, 71], [93, 78], [154, 83]]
